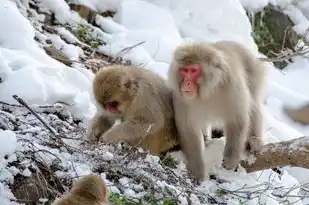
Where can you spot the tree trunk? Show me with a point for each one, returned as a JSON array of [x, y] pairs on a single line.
[[286, 153]]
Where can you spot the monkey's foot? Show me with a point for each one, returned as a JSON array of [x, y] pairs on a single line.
[[254, 144], [93, 136], [231, 162]]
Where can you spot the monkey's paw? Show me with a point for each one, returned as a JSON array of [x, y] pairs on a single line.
[[110, 137], [93, 135], [254, 144], [231, 162]]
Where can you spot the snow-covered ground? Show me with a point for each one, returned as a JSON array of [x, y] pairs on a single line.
[[27, 71]]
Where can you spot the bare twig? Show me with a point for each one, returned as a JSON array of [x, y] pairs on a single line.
[[128, 49], [22, 102]]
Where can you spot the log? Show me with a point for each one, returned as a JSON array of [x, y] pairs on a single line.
[[294, 153]]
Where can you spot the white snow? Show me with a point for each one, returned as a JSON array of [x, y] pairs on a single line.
[[7, 143], [27, 71]]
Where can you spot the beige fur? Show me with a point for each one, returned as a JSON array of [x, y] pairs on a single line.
[[89, 190], [145, 105], [230, 93], [300, 115]]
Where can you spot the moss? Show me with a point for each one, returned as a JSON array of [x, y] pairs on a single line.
[[261, 33], [272, 32], [169, 161], [150, 199], [84, 34], [117, 199]]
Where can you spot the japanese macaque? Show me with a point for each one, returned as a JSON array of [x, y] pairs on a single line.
[[88, 190], [217, 84], [143, 102], [300, 115]]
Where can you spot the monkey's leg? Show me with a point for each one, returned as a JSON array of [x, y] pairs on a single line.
[[255, 138], [236, 135], [98, 126], [131, 130], [191, 142], [207, 132]]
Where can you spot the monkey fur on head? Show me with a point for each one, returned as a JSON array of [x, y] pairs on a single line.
[[88, 190], [218, 83], [143, 102]]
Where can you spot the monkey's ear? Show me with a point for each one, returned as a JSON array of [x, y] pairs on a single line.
[[219, 60]]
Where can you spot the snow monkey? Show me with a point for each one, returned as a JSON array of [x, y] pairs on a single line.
[[143, 102], [88, 190], [217, 83], [300, 115]]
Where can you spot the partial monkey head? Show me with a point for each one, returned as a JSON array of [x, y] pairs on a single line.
[[197, 70], [92, 187], [114, 89]]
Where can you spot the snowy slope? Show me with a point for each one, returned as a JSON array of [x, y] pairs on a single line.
[[27, 71]]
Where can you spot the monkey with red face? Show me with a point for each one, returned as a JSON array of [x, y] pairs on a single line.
[[219, 83], [142, 101]]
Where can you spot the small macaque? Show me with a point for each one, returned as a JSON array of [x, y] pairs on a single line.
[[142, 101], [88, 190], [300, 115], [217, 84]]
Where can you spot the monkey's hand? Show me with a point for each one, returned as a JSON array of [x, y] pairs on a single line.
[[98, 125], [129, 131], [111, 136]]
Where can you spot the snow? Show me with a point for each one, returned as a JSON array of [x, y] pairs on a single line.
[[45, 80], [7, 143], [160, 26]]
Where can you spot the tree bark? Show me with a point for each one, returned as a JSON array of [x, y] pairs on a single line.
[[294, 153]]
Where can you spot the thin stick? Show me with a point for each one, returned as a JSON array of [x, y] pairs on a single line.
[[22, 102]]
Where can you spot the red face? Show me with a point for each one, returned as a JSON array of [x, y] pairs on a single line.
[[189, 74]]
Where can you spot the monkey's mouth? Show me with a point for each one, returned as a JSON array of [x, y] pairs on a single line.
[[112, 106]]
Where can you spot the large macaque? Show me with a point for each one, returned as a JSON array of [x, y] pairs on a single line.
[[89, 190], [300, 115], [222, 84], [143, 102]]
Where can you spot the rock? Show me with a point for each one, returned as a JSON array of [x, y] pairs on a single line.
[[84, 11], [58, 55], [95, 64]]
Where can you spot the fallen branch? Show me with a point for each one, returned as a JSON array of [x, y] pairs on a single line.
[[22, 102], [294, 153]]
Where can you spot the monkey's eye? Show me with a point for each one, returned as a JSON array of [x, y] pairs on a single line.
[[185, 70], [216, 64]]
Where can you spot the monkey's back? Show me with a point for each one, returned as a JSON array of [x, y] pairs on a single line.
[[243, 60], [159, 97]]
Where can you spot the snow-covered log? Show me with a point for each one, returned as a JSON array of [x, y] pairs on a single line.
[[294, 152]]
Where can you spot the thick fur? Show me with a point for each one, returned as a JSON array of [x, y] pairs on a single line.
[[89, 190], [145, 105], [300, 115], [230, 93]]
